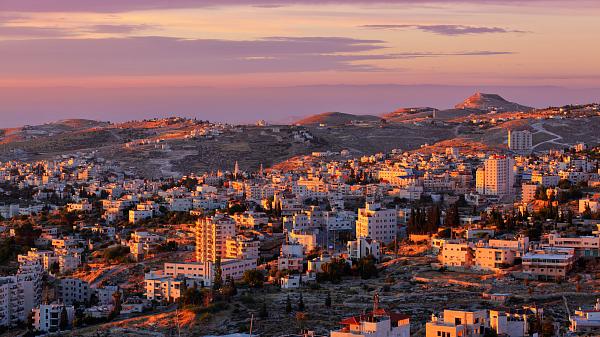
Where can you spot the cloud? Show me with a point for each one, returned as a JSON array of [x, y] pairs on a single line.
[[136, 56], [172, 56], [459, 53], [108, 6], [117, 29], [33, 32], [451, 30]]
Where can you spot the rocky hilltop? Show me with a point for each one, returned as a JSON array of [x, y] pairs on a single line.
[[490, 102]]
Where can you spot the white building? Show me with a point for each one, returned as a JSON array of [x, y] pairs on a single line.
[[457, 323], [363, 247], [46, 317], [496, 177], [586, 320], [378, 323], [377, 223], [520, 140]]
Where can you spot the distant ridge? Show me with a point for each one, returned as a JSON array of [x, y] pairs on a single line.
[[490, 102], [335, 118], [403, 114]]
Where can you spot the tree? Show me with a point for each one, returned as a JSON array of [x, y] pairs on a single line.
[[64, 319], [328, 300], [288, 305], [218, 282], [254, 278], [365, 267], [452, 218], [117, 301], [230, 288], [301, 303]]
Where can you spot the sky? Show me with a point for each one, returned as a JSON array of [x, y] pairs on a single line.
[[244, 60]]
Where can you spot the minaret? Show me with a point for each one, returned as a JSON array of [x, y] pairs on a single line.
[[261, 171], [236, 170]]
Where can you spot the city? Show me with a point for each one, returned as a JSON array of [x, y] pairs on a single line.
[[459, 214]]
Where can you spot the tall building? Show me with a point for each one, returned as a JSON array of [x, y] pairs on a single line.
[[377, 223], [520, 140], [211, 237], [496, 177], [216, 239]]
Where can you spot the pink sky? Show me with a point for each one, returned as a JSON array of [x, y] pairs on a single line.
[[226, 59]]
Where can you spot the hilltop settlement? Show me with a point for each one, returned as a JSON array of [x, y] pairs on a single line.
[[478, 221]]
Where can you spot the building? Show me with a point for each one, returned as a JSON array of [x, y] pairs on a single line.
[[456, 255], [73, 291], [528, 191], [549, 263], [46, 317], [513, 323], [211, 237], [12, 311], [377, 223], [520, 141], [493, 259], [363, 247], [496, 177], [585, 246], [377, 323], [457, 323], [587, 321], [291, 256]]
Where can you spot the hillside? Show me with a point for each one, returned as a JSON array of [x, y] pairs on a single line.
[[490, 102], [404, 114], [336, 118], [175, 146]]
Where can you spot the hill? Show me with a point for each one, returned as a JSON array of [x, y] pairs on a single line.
[[336, 118], [404, 114], [489, 103]]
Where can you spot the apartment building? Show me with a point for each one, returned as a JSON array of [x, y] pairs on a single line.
[[493, 259], [496, 177], [585, 246], [72, 291], [46, 318], [291, 256], [211, 236], [457, 323], [520, 141], [459, 255], [377, 223], [549, 263], [519, 245], [12, 311]]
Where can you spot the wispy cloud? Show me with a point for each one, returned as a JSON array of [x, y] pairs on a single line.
[[33, 32], [450, 30], [172, 56], [130, 5], [117, 28]]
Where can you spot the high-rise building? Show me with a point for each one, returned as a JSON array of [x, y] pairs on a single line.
[[377, 223], [497, 176], [211, 237], [216, 239], [520, 140]]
